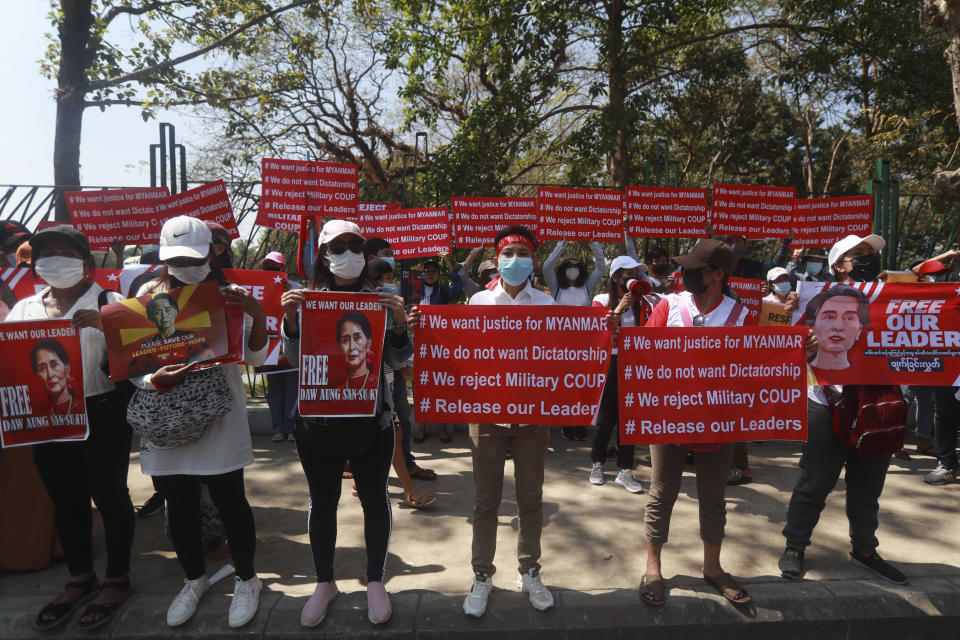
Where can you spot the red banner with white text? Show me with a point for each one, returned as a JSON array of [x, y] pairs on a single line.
[[128, 215], [822, 222], [700, 385], [341, 347], [266, 287], [666, 212], [752, 211], [477, 221], [208, 202], [412, 233], [41, 383], [369, 212], [294, 189], [877, 333], [542, 365], [579, 214]]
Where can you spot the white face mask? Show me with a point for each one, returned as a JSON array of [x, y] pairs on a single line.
[[783, 288], [60, 272], [190, 275], [348, 265], [572, 273]]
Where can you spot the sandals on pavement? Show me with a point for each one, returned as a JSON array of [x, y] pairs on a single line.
[[96, 615], [418, 498], [925, 447], [653, 592], [54, 614], [423, 474], [728, 588], [419, 438], [446, 438]]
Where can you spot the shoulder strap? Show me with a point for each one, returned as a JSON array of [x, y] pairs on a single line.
[[684, 309], [734, 315]]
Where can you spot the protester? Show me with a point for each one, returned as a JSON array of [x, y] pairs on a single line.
[[811, 267], [658, 262], [779, 282], [433, 292], [704, 303], [281, 378], [217, 459], [221, 244], [324, 444], [471, 286], [570, 284], [13, 235], [630, 312], [75, 472], [853, 259], [515, 247]]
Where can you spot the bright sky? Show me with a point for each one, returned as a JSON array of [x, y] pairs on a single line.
[[115, 144]]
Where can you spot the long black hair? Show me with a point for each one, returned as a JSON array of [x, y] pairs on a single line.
[[561, 269]]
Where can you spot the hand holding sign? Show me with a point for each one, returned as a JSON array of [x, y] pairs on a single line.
[[172, 374]]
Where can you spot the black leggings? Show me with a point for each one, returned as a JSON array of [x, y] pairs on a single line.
[[607, 420], [75, 472], [322, 455], [182, 494]]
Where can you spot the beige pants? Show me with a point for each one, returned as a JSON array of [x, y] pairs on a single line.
[[528, 448], [712, 468]]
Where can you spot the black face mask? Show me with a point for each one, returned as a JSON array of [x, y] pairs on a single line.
[[865, 268], [693, 282], [659, 269]]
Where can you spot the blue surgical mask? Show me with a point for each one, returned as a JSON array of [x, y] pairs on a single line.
[[515, 270], [783, 288], [390, 260], [814, 268]]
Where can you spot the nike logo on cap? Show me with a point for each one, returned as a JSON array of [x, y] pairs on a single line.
[[177, 235]]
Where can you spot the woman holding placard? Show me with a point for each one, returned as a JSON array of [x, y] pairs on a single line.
[[218, 456], [367, 442], [75, 472]]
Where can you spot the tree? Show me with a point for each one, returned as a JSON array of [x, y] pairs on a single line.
[[91, 71], [945, 15]]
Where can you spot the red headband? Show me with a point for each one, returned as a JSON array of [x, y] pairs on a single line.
[[515, 239]]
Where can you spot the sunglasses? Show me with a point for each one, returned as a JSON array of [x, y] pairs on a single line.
[[339, 246], [180, 262]]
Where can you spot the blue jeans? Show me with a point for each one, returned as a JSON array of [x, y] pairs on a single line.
[[282, 400]]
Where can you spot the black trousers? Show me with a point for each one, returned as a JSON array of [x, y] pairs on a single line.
[[821, 462], [608, 419], [75, 472], [182, 494], [323, 451], [945, 425]]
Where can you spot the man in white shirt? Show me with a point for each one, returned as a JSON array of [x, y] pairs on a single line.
[[527, 444]]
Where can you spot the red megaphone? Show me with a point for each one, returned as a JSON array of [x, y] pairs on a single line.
[[638, 287]]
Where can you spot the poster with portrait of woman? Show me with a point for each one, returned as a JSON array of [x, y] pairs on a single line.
[[43, 401], [341, 345], [883, 333], [174, 327]]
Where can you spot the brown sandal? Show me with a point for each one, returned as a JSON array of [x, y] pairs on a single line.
[[728, 588], [653, 592]]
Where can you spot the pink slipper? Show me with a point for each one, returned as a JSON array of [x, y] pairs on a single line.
[[378, 603], [316, 608]]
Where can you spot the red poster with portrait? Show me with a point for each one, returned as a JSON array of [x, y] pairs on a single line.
[[266, 287], [883, 333], [173, 327], [341, 347], [42, 402]]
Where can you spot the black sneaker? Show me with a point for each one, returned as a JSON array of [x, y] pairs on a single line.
[[879, 566], [791, 564], [151, 507]]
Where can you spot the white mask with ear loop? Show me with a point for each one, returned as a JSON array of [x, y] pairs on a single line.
[[190, 275], [347, 265]]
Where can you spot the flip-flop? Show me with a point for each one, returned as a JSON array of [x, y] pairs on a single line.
[[414, 500], [728, 588], [653, 592], [423, 474], [103, 612]]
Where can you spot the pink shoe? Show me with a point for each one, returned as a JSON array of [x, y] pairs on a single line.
[[316, 608], [378, 603]]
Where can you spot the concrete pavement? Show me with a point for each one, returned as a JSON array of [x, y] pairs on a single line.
[[593, 557]]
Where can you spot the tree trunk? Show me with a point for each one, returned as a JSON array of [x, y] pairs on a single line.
[[616, 109], [71, 92]]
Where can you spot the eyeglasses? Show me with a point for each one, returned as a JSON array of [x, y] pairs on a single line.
[[699, 319], [339, 246]]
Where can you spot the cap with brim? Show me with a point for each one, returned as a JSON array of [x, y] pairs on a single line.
[[838, 250], [430, 262], [184, 237], [626, 262], [13, 234], [334, 228], [218, 232], [775, 273], [62, 232], [275, 256], [486, 265], [708, 252], [931, 266]]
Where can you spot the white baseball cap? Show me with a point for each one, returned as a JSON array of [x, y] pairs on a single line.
[[775, 273], [184, 237], [334, 228], [838, 250], [626, 262]]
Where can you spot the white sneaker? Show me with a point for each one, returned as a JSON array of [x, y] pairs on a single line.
[[626, 480], [475, 604], [530, 582], [185, 604], [246, 599], [596, 474]]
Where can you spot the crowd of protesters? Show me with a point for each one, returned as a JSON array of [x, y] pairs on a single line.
[[208, 473]]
